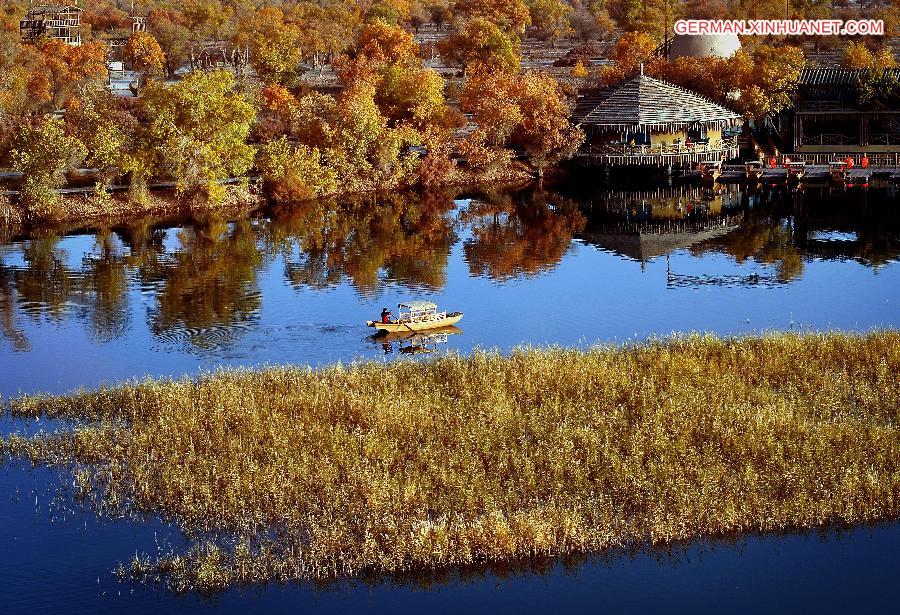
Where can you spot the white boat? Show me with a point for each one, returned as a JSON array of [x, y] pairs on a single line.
[[417, 316]]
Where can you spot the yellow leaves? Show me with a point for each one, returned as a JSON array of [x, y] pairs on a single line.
[[144, 54]]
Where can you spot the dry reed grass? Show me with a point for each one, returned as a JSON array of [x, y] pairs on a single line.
[[371, 468]]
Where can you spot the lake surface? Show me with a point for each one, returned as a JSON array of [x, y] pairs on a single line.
[[574, 267]]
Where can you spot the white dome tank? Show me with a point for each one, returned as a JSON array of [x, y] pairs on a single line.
[[704, 46]]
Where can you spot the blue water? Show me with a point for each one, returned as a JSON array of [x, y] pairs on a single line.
[[574, 267]]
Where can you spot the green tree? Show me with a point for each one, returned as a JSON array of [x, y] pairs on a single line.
[[196, 131], [294, 172], [43, 153], [97, 119]]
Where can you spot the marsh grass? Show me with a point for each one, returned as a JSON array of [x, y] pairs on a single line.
[[290, 473]]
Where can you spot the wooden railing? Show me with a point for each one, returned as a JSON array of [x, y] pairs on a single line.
[[830, 139], [625, 149]]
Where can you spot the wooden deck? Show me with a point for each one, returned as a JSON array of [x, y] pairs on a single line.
[[680, 155], [815, 174]]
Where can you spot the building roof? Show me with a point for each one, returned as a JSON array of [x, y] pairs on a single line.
[[644, 102], [704, 46], [838, 76], [51, 9]]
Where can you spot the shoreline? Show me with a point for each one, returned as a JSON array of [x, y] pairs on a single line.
[[242, 198]]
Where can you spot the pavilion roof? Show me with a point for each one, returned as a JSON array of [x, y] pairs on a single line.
[[644, 102], [839, 76]]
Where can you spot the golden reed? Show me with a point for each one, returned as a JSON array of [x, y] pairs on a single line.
[[293, 473]]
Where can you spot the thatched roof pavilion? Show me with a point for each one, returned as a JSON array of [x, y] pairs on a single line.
[[647, 103], [648, 117]]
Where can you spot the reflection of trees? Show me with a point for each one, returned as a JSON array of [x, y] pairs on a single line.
[[8, 309], [408, 235], [767, 242], [515, 235], [45, 284], [105, 279], [210, 281]]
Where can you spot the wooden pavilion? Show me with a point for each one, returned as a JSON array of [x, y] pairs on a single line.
[[828, 117], [647, 122], [57, 21]]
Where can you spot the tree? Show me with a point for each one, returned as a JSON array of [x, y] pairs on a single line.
[[275, 45], [43, 153], [757, 84], [654, 17], [294, 172], [170, 30], [197, 131], [58, 69], [510, 15], [528, 112], [481, 42], [589, 26], [857, 55], [207, 19], [417, 15], [879, 89], [439, 11], [325, 28], [97, 119], [365, 151], [394, 12], [631, 50], [380, 43], [145, 56], [411, 94], [550, 19]]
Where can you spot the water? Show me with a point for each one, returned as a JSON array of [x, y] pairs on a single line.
[[572, 267]]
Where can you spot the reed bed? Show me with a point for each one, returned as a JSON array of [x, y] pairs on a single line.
[[291, 473]]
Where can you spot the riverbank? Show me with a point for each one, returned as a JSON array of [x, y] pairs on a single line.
[[290, 473], [242, 197]]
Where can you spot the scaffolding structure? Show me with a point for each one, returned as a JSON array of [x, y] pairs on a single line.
[[53, 21]]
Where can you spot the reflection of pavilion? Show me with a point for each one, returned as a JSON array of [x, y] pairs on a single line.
[[647, 224]]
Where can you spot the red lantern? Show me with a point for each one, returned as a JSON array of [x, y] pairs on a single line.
[[772, 162], [849, 162], [864, 162]]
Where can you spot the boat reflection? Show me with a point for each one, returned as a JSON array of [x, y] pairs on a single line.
[[415, 342], [199, 284]]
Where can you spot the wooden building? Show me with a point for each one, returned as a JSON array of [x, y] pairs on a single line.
[[57, 21], [647, 122], [828, 117]]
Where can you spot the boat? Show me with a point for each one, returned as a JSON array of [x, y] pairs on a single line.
[[753, 170], [417, 316], [795, 170], [710, 170], [837, 169]]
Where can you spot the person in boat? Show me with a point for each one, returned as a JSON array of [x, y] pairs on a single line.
[[385, 315]]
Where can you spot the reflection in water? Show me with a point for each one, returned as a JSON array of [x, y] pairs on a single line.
[[405, 236], [415, 342], [515, 234], [201, 282], [207, 288]]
